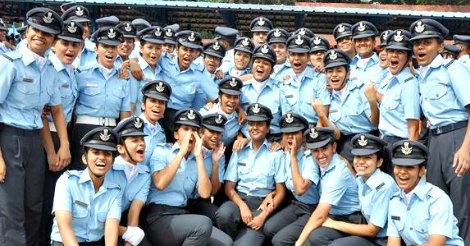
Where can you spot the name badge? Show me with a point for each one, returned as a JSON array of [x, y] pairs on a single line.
[[395, 217], [28, 80], [242, 164], [91, 85], [333, 110], [65, 85], [81, 204], [289, 96]]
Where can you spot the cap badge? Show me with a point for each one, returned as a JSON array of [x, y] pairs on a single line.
[[333, 55], [158, 32], [111, 33], [362, 141], [316, 40], [216, 46], [72, 28], [48, 18], [169, 33], [289, 119], [385, 35], [245, 42], [104, 136], [219, 119], [128, 27], [261, 22], [160, 87], [302, 31], [79, 11], [406, 149], [233, 82], [277, 33], [313, 133], [361, 27], [191, 37], [341, 28], [299, 40], [256, 109], [419, 28], [137, 123], [265, 49], [191, 115], [398, 37]]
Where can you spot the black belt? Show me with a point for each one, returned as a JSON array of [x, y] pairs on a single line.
[[451, 127]]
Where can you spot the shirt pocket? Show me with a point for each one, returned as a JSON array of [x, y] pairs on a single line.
[[242, 168], [437, 92], [102, 216], [91, 91], [79, 212], [119, 92], [66, 91], [26, 94], [335, 114], [390, 103]]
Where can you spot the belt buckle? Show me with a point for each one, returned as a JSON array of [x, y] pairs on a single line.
[[438, 130]]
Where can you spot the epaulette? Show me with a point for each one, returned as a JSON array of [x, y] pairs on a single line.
[[449, 63], [12, 55], [380, 186], [73, 173], [408, 79]]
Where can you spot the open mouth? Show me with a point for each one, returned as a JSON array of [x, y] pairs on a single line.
[[140, 151], [100, 165], [297, 65], [230, 106]]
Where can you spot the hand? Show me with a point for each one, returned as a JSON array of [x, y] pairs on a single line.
[[239, 144], [185, 143], [268, 203], [52, 161], [329, 223], [370, 91], [317, 106], [319, 68], [219, 74], [245, 213], [171, 55], [123, 73], [218, 152], [3, 170], [45, 111], [241, 116], [461, 161], [298, 243], [133, 235], [257, 222], [293, 147], [275, 146], [63, 157], [198, 145], [209, 105], [135, 70]]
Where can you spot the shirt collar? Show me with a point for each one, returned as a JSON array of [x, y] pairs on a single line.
[[334, 161], [28, 57], [264, 144], [58, 65], [421, 190], [374, 180]]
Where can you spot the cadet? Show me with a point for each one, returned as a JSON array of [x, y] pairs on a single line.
[[463, 42], [241, 59], [443, 87], [277, 39], [364, 66], [419, 213], [300, 84], [127, 46], [338, 190], [375, 189], [102, 96], [132, 176], [227, 37], [383, 76], [302, 179], [155, 98], [259, 27], [28, 82], [320, 46], [353, 106], [184, 77], [170, 38], [343, 36], [254, 184], [399, 110], [4, 45], [173, 168], [64, 51], [86, 203], [139, 24], [450, 51], [263, 89]]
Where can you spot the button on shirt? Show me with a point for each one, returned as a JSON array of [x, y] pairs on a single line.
[[25, 89], [428, 212], [75, 193], [444, 92], [374, 197], [350, 111], [400, 103], [256, 172], [364, 69], [185, 83], [338, 188], [309, 171], [101, 97], [135, 188]]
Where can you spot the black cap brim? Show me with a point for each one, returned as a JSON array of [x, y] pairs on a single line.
[[425, 36], [397, 47], [109, 42], [318, 49], [407, 162], [298, 50], [320, 144], [213, 54], [256, 118], [156, 96], [231, 92], [170, 41], [363, 35], [43, 28], [292, 129], [133, 134], [362, 152], [191, 45], [154, 41], [260, 29], [343, 36], [213, 128], [187, 123], [99, 146], [129, 36], [336, 64], [243, 50], [70, 39]]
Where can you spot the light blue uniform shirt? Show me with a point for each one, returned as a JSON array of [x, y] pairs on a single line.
[[136, 86], [444, 92], [67, 78], [74, 192], [374, 197], [137, 188], [200, 99], [270, 96], [298, 97], [87, 57], [338, 188], [185, 83], [380, 79], [231, 126], [280, 70], [181, 186], [400, 102], [429, 211], [155, 135], [364, 74], [227, 61], [256, 172], [465, 59], [101, 97], [309, 171], [350, 112], [209, 169], [4, 49], [25, 89]]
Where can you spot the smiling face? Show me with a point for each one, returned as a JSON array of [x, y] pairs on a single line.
[[241, 59], [407, 177], [211, 63], [38, 41], [258, 130], [125, 49], [186, 56], [229, 103], [211, 138], [262, 69], [259, 38], [106, 55], [345, 44], [135, 149], [337, 77], [425, 50], [66, 51], [324, 154], [298, 61], [151, 53], [98, 161], [383, 60], [281, 52], [364, 46], [398, 59], [153, 109], [366, 165]]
